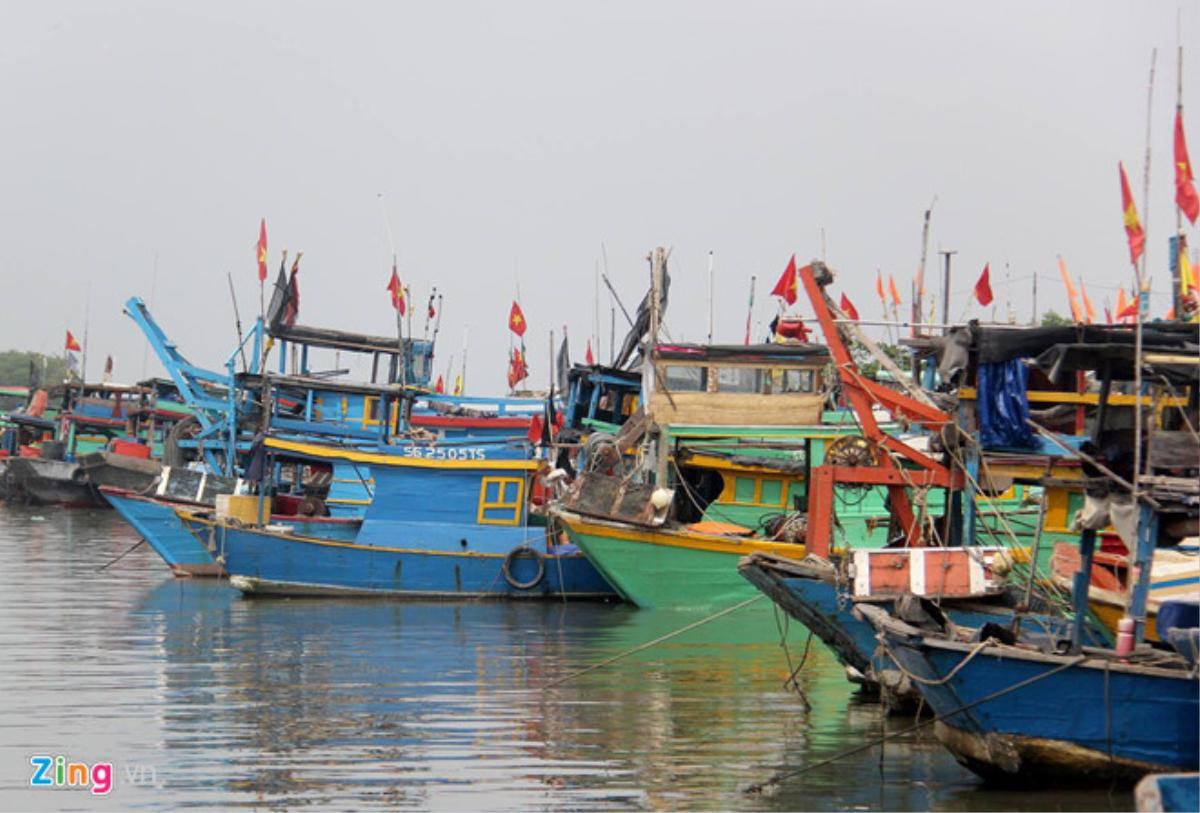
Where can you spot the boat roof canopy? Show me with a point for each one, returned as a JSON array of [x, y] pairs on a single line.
[[343, 340], [761, 354]]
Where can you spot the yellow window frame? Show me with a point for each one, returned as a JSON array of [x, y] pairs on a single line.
[[485, 505], [370, 401]]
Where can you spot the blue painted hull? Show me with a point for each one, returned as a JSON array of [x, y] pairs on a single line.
[[424, 561], [815, 603], [158, 524], [1100, 720], [187, 553]]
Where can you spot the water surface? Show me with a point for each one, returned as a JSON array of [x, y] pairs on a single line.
[[200, 697]]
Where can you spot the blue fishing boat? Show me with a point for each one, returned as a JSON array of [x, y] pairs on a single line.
[[187, 553], [1016, 713], [817, 593], [1168, 793], [445, 522]]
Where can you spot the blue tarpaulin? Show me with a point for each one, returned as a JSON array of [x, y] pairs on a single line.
[[1004, 405]]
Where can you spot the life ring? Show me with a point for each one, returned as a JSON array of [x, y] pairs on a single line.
[[523, 552]]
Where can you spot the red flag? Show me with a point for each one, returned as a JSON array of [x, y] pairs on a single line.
[[588, 356], [1121, 302], [892, 289], [516, 320], [848, 308], [1185, 190], [1129, 311], [983, 287], [441, 385], [262, 251], [72, 344], [786, 287], [879, 286], [397, 290], [432, 312], [1087, 303], [517, 371], [1133, 226]]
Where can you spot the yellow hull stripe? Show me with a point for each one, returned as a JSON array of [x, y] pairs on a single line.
[[376, 458], [676, 538]]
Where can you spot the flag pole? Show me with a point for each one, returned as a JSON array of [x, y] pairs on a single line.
[[710, 297], [1144, 297], [749, 310], [87, 317], [466, 331], [1177, 268]]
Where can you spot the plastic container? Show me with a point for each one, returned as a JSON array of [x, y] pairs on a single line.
[[1125, 637]]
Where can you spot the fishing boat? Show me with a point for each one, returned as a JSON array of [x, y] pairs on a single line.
[[1020, 713], [777, 384], [1016, 708], [445, 522]]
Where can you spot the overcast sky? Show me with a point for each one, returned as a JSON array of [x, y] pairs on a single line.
[[510, 141]]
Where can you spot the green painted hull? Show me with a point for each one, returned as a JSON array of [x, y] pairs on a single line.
[[662, 577]]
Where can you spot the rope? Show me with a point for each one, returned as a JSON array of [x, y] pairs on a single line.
[[648, 644], [122, 556], [760, 787], [949, 675]]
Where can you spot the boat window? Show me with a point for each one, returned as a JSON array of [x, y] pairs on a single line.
[[771, 492], [686, 379], [744, 489], [370, 410], [738, 379], [796, 380], [500, 500]]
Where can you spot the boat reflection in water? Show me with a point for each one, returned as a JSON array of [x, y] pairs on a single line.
[[353, 702]]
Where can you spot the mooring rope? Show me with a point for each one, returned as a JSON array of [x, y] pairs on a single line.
[[648, 644], [760, 787], [137, 544]]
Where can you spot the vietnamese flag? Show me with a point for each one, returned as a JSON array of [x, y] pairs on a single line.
[[785, 289], [441, 385], [262, 251], [1130, 311], [1133, 226], [848, 308], [1121, 302], [397, 290], [72, 344], [591, 360], [892, 290], [516, 320], [1185, 190], [983, 287]]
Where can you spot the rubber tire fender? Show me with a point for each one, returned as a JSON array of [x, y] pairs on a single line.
[[523, 552]]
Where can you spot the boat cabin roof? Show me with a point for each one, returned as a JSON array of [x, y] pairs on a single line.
[[760, 355], [343, 340]]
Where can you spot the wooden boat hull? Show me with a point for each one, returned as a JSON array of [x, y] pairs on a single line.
[[187, 553], [1095, 721], [667, 568], [54, 482], [264, 562], [808, 591]]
